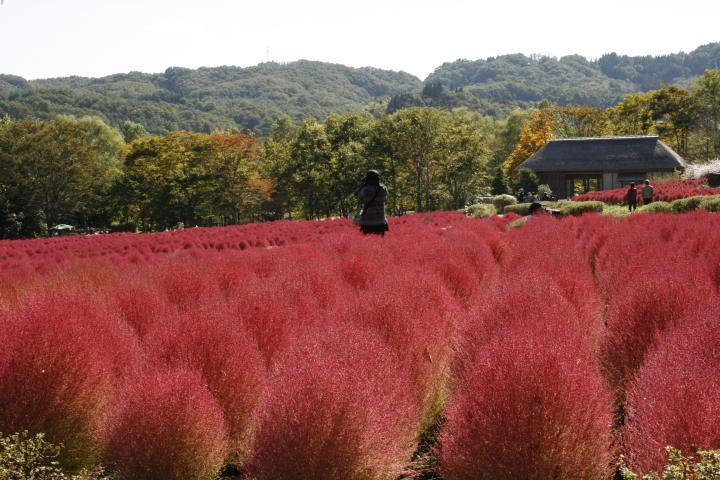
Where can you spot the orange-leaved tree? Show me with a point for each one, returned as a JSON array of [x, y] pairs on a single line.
[[533, 136]]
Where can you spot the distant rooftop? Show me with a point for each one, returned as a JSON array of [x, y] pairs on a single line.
[[601, 154]]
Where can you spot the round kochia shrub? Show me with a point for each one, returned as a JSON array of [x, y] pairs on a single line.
[[684, 205], [710, 204], [481, 210], [212, 342], [656, 207], [165, 424], [660, 297], [519, 208], [578, 208], [502, 201], [61, 355], [674, 399], [531, 405], [338, 406]]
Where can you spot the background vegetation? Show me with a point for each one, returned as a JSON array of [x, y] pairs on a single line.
[[163, 149], [254, 98]]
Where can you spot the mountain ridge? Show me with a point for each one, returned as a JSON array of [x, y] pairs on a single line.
[[253, 98]]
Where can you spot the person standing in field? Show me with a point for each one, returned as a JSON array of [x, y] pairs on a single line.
[[631, 197], [371, 205], [647, 193]]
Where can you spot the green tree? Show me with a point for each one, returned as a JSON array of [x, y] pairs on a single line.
[[348, 137], [632, 116], [527, 180], [413, 139], [706, 93], [533, 136], [278, 168], [57, 172], [310, 153], [463, 161], [675, 114], [132, 131], [499, 183]]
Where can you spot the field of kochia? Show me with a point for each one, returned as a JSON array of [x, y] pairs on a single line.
[[307, 350]]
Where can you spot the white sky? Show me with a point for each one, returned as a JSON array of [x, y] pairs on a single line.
[[51, 38]]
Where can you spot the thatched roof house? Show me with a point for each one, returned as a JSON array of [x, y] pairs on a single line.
[[578, 165]]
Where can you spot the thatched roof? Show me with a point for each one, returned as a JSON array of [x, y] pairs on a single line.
[[604, 154]]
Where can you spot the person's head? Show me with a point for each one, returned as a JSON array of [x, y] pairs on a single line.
[[535, 207], [647, 182], [632, 185], [372, 177]]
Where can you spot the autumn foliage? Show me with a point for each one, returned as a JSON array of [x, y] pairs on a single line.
[[305, 349]]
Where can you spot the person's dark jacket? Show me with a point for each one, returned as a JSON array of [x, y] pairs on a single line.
[[631, 195], [371, 210]]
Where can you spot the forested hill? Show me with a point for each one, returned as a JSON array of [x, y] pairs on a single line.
[[207, 98], [254, 98], [497, 85]]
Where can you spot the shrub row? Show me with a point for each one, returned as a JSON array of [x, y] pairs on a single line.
[[547, 350]]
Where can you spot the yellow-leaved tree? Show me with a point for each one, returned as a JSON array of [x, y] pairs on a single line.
[[533, 136]]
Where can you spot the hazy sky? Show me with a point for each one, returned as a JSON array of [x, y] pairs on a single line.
[[50, 38]]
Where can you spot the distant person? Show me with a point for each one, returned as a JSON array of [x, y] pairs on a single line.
[[371, 205], [631, 197], [536, 208], [648, 192]]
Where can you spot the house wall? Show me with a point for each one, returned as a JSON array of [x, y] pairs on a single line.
[[610, 180], [556, 182]]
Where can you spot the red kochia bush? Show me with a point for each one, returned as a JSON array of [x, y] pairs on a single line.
[[532, 406], [521, 299], [165, 424], [657, 300], [416, 317], [665, 191], [338, 406], [211, 341], [61, 354], [674, 398]]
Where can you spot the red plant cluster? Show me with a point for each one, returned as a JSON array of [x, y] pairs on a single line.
[[665, 191], [541, 351]]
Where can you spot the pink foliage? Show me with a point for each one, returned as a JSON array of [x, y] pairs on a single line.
[[211, 341], [337, 406], [665, 191], [165, 424], [62, 354], [532, 406], [674, 400], [305, 349]]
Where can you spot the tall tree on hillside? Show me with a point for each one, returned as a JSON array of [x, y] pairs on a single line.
[[238, 187], [533, 136], [58, 172], [463, 165], [707, 96], [675, 114], [413, 138], [580, 121], [310, 153], [499, 183], [348, 137], [278, 168], [632, 116], [507, 136]]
